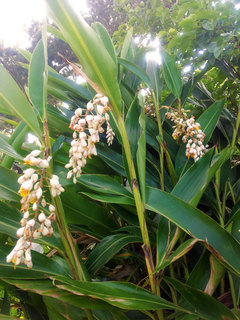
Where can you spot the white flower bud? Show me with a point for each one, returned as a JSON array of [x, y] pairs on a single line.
[[90, 106], [31, 223], [20, 232], [35, 153], [100, 109], [29, 172], [44, 164], [51, 208], [35, 206], [27, 185], [26, 215], [47, 223], [21, 179], [45, 231], [41, 217], [39, 193], [43, 202]]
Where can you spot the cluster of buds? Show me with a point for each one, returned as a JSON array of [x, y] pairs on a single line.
[[34, 222], [190, 131], [149, 107], [87, 125]]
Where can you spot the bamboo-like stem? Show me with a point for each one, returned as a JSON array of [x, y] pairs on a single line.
[[234, 298], [72, 253], [161, 153], [139, 205], [235, 132]]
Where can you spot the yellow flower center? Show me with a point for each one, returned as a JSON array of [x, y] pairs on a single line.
[[27, 162], [24, 192]]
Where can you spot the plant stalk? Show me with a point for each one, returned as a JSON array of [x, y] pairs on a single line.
[[161, 153], [139, 205], [72, 253]]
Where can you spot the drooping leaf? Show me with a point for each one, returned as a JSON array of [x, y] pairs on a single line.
[[171, 75], [8, 185], [197, 224], [36, 77], [208, 307], [130, 66], [209, 119], [89, 48], [108, 247], [9, 150], [16, 103], [120, 294]]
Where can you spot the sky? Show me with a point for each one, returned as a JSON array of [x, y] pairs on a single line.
[[17, 15]]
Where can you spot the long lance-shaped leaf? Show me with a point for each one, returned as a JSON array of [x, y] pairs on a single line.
[[209, 119], [46, 288], [35, 79], [105, 250], [208, 307], [8, 149], [172, 75], [8, 185], [10, 222], [197, 224], [15, 101], [120, 294], [194, 182], [89, 48], [16, 140], [42, 266]]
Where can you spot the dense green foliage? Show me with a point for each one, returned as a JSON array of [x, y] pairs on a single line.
[[146, 232]]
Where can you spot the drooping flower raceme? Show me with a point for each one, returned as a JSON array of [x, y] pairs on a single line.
[[190, 131], [87, 124], [34, 223]]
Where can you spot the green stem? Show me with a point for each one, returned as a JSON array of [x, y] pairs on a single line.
[[235, 132], [161, 154], [88, 314], [234, 299], [139, 205], [72, 253]]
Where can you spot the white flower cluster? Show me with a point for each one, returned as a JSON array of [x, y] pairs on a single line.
[[191, 131], [149, 107], [87, 124], [34, 222]]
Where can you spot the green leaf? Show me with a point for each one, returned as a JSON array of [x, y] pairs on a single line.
[[197, 224], [209, 119], [68, 86], [8, 149], [178, 253], [42, 266], [8, 185], [108, 247], [10, 222], [103, 34], [103, 184], [15, 101], [89, 48], [140, 73], [35, 81], [46, 288], [141, 155], [194, 180], [133, 127], [88, 213], [112, 158], [171, 75], [120, 294], [4, 317], [207, 307], [16, 140]]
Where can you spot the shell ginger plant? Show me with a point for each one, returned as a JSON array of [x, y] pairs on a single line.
[[129, 228]]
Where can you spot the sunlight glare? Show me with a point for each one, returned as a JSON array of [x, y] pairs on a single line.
[[17, 16]]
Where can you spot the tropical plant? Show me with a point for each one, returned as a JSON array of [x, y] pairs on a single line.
[[150, 228]]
